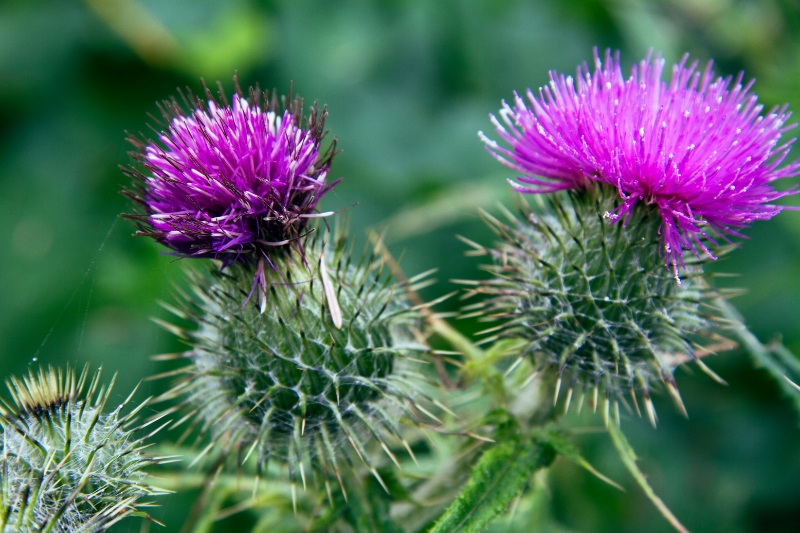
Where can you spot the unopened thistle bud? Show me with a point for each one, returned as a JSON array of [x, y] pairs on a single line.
[[594, 301], [231, 181], [319, 374], [66, 466]]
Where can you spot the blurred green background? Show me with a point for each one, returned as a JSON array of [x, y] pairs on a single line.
[[408, 84]]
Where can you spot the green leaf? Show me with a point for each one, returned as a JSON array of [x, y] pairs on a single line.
[[500, 475]]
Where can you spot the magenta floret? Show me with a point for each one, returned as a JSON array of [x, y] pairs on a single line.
[[697, 148], [231, 181]]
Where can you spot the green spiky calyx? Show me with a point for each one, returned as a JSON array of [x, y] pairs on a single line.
[[315, 373], [594, 300], [67, 467]]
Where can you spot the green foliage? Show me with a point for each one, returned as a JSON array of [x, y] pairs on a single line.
[[501, 474], [320, 367], [594, 301], [66, 466]]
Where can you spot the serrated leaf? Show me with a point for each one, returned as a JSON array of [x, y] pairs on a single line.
[[500, 475]]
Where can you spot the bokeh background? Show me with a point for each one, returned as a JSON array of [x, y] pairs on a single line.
[[408, 83]]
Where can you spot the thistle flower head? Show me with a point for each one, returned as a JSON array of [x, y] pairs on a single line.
[[66, 466], [318, 375], [230, 180], [697, 147], [594, 302]]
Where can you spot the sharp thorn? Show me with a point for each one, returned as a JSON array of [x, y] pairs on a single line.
[[635, 402], [330, 494], [651, 411], [568, 401], [558, 389], [391, 455], [710, 373], [411, 453], [341, 485], [676, 397], [378, 477]]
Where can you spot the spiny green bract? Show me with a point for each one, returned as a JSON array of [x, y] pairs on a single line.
[[593, 300], [66, 466], [316, 372]]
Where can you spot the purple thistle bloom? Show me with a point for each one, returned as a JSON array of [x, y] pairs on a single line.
[[696, 148], [230, 181]]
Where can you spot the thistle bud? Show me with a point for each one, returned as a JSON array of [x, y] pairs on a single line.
[[67, 467], [595, 302], [314, 375]]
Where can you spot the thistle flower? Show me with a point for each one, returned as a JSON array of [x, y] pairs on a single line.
[[594, 303], [230, 181], [66, 466], [322, 370], [697, 147]]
